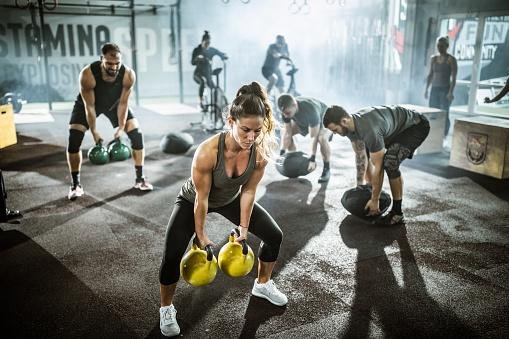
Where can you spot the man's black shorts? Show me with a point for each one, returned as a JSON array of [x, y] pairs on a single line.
[[78, 115], [412, 137]]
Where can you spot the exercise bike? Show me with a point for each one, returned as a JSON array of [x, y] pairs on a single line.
[[292, 87], [292, 90], [214, 102]]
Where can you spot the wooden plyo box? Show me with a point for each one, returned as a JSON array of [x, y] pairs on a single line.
[[480, 144], [435, 139], [7, 127]]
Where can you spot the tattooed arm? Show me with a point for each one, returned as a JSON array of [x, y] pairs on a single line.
[[361, 161]]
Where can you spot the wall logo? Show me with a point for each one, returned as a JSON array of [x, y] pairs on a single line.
[[74, 42], [477, 145]]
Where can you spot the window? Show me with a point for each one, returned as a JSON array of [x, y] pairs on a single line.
[[494, 66]]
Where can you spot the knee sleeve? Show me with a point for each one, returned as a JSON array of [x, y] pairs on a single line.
[[395, 154], [75, 140], [136, 139]]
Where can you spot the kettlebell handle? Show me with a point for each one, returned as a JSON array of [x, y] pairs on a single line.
[[208, 249], [210, 254], [242, 242]]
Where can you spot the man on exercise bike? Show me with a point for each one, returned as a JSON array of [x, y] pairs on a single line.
[[270, 68], [202, 59]]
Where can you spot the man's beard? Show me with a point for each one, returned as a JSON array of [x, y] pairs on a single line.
[[112, 72]]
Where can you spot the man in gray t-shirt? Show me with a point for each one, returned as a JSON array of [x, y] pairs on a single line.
[[304, 116], [382, 137]]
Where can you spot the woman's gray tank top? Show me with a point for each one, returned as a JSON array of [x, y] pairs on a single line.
[[441, 74], [223, 189]]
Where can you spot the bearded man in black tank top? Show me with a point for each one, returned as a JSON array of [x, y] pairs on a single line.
[[105, 87]]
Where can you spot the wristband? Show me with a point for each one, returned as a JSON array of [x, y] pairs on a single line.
[[312, 158], [243, 226], [282, 152]]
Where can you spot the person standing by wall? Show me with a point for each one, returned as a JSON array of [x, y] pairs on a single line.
[[442, 79]]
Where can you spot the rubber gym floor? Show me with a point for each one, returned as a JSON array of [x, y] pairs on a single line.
[[89, 268]]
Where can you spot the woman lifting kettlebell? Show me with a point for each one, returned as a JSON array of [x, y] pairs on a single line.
[[226, 170]]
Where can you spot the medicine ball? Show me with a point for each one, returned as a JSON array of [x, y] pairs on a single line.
[[293, 164], [355, 199], [175, 143]]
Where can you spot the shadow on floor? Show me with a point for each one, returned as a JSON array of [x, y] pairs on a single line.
[[41, 298], [438, 164], [193, 304], [401, 311], [258, 312]]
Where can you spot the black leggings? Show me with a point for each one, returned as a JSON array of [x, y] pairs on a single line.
[[181, 228], [202, 79]]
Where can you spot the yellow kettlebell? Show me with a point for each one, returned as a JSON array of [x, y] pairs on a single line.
[[236, 260], [199, 267]]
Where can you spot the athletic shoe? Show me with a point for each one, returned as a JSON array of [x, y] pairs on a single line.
[[270, 292], [13, 214], [75, 192], [391, 219], [143, 185], [168, 321], [325, 175]]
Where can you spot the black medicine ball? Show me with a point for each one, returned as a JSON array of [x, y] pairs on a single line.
[[355, 199], [175, 143], [293, 164]]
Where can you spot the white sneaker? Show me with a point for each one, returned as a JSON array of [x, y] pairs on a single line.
[[168, 321], [75, 192], [270, 292], [143, 185]]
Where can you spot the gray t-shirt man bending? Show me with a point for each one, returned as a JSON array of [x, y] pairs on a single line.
[[304, 115], [382, 137]]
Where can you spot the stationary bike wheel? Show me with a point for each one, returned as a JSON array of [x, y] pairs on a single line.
[[206, 118], [205, 100], [221, 105]]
